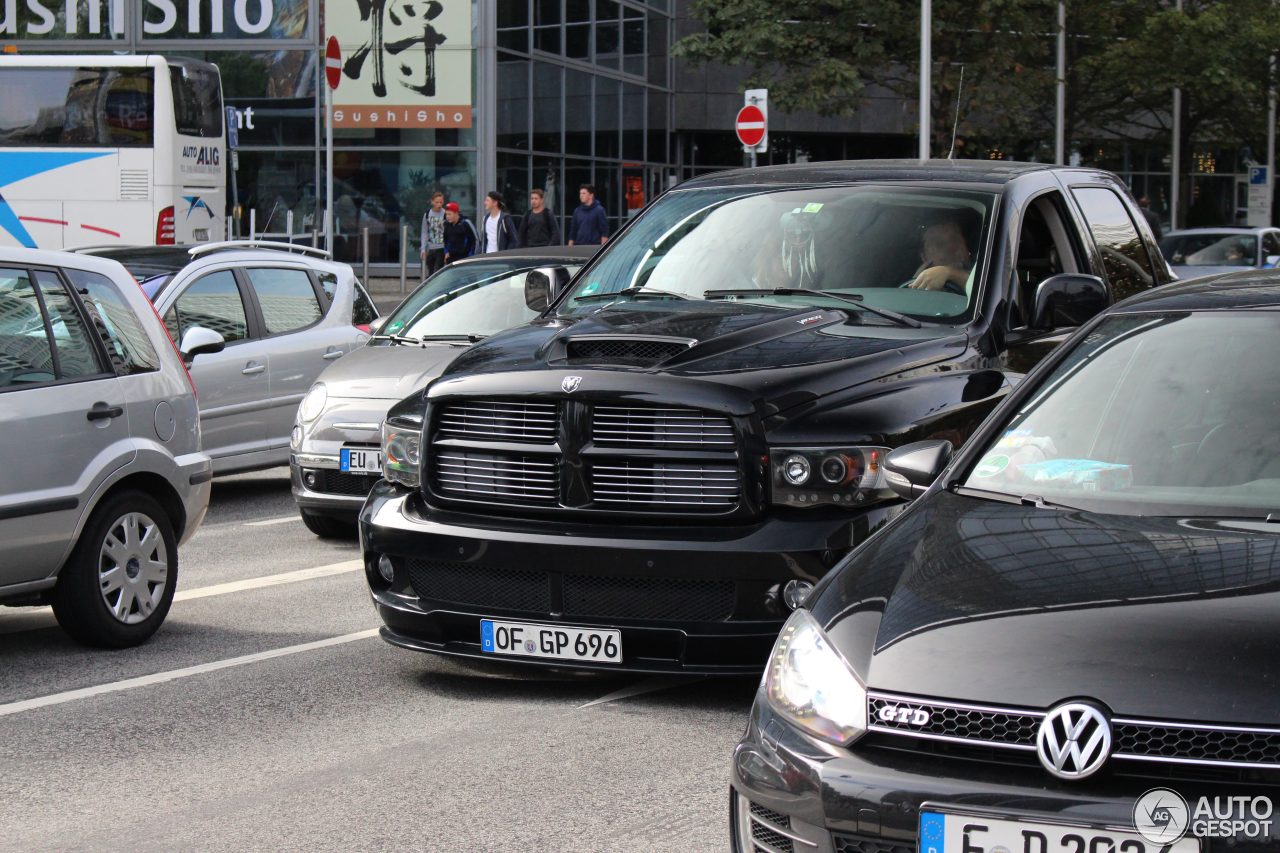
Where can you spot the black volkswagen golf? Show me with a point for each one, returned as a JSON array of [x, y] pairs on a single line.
[[1069, 643]]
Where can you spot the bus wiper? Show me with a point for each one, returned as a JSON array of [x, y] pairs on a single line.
[[900, 319], [638, 291]]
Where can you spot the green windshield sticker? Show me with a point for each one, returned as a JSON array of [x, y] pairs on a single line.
[[991, 465], [813, 207], [590, 289]]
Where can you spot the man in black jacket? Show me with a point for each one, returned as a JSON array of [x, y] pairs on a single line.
[[539, 226], [498, 230], [459, 234]]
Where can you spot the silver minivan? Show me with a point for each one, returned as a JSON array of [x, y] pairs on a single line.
[[101, 473]]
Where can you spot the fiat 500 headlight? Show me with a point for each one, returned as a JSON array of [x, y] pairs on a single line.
[[313, 404], [810, 684]]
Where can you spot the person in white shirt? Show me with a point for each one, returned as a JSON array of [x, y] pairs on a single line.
[[500, 230]]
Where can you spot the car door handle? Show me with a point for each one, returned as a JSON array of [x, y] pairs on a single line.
[[253, 369], [101, 412], [330, 355]]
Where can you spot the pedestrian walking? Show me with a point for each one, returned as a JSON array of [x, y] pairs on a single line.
[[539, 226], [432, 247], [459, 234], [589, 225], [1152, 219], [500, 230]]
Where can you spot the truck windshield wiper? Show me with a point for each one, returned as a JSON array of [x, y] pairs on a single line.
[[638, 291], [900, 319]]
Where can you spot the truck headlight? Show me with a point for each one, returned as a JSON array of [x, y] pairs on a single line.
[[810, 684], [313, 404], [402, 453], [826, 476]]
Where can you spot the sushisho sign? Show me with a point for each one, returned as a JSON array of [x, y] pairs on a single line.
[[47, 20], [405, 63]]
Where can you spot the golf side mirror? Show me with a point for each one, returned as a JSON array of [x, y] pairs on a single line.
[[200, 341], [1067, 300], [910, 469]]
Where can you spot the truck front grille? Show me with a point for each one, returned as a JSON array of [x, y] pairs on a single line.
[[497, 420], [633, 426], [673, 483], [468, 474]]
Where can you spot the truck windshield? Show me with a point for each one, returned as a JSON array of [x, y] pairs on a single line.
[[915, 252]]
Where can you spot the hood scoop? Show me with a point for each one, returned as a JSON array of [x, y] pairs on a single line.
[[622, 350]]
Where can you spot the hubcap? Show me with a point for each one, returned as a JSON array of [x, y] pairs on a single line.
[[133, 568]]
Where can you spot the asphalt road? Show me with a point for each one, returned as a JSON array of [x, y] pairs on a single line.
[[265, 715]]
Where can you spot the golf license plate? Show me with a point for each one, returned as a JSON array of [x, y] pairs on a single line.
[[360, 460], [951, 832], [564, 642]]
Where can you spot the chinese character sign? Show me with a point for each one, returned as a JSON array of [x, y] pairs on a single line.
[[405, 63]]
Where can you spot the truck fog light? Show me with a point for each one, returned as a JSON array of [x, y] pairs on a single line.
[[794, 593], [386, 569], [796, 470]]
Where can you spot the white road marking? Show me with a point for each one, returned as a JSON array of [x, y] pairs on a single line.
[[649, 685], [312, 573], [174, 674], [284, 519]]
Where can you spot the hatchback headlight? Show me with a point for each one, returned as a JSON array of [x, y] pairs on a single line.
[[313, 404], [827, 476], [402, 453], [810, 684]]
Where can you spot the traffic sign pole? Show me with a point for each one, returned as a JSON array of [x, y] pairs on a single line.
[[333, 76], [752, 123]]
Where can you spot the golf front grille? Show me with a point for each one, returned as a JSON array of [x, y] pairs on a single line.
[[594, 596], [1171, 743]]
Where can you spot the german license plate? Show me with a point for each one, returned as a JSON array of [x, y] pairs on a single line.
[[949, 832], [564, 642], [360, 460]]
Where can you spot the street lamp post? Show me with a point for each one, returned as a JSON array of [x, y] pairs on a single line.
[[926, 68]]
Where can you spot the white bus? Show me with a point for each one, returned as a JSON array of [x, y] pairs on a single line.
[[99, 149]]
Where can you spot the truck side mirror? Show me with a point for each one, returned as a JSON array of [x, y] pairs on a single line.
[[1068, 299], [542, 286], [910, 469]]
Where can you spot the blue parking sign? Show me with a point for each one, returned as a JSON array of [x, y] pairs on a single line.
[[1258, 176]]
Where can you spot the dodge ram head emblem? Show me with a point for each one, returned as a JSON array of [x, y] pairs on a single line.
[[570, 384], [1074, 741]]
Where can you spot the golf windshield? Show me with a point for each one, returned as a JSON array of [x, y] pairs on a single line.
[[468, 300], [911, 251], [1152, 414]]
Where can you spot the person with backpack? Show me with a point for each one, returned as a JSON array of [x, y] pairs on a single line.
[[432, 245], [459, 234], [539, 226], [500, 230]]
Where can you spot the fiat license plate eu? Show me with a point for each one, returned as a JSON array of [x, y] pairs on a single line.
[[565, 642], [360, 460], [950, 832]]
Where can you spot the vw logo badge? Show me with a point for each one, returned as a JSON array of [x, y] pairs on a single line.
[[1074, 741], [570, 384]]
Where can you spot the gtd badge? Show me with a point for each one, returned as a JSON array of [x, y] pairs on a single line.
[[904, 715]]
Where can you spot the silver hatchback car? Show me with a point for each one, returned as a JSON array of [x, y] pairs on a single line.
[[101, 473], [286, 313]]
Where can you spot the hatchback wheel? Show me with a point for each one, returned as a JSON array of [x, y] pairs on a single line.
[[118, 584], [328, 527]]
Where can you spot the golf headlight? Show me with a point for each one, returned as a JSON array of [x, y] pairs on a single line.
[[402, 453], [313, 404], [812, 686], [827, 476]]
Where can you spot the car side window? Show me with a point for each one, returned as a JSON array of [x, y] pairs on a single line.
[[118, 327], [1044, 250], [287, 299], [1125, 258], [26, 355], [1270, 246], [212, 301], [71, 338], [363, 311]]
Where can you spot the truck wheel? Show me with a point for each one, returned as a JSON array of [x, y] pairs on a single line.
[[117, 586], [327, 527]]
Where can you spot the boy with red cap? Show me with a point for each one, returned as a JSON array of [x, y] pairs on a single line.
[[459, 234]]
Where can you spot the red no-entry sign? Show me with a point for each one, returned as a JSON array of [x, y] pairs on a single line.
[[750, 125], [332, 62]]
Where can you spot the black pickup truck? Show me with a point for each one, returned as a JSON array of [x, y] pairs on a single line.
[[652, 474]]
